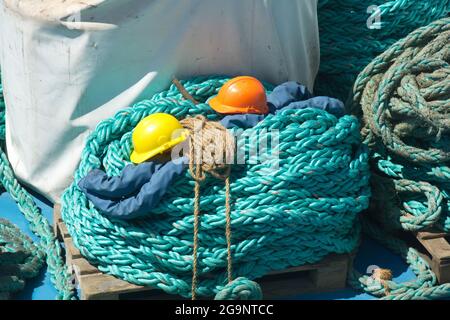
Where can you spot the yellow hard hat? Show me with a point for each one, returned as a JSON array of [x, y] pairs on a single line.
[[155, 134]]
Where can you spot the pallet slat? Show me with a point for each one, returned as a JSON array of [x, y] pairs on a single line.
[[438, 253], [328, 275], [432, 234], [105, 287]]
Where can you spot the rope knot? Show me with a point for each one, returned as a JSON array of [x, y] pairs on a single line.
[[240, 289], [211, 147], [383, 276]]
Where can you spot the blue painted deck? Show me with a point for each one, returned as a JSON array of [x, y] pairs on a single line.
[[369, 254]]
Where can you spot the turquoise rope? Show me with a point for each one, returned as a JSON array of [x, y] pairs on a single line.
[[39, 225], [240, 289], [403, 99], [404, 95], [306, 211], [347, 45]]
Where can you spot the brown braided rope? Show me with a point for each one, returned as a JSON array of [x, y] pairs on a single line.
[[210, 149], [383, 276]]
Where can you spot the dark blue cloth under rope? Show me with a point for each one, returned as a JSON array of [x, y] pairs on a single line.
[[135, 192], [289, 95]]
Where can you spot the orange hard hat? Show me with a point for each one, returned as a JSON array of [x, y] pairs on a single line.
[[241, 95]]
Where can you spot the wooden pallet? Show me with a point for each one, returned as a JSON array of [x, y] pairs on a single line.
[[328, 275], [436, 249]]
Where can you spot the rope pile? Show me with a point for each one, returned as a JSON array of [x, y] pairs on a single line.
[[403, 99], [20, 259], [298, 215], [347, 45], [38, 223], [404, 95]]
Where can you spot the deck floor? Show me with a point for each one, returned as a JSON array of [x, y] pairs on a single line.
[[369, 255]]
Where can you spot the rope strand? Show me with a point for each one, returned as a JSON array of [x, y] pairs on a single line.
[[402, 98], [202, 135]]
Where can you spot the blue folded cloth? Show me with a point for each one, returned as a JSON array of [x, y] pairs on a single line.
[[286, 93], [135, 192], [243, 121], [331, 105]]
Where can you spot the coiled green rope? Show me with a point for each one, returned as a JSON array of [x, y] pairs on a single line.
[[20, 259], [38, 224], [403, 98], [240, 289], [347, 45], [305, 211]]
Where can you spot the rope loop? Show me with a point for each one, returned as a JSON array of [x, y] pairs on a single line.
[[402, 98]]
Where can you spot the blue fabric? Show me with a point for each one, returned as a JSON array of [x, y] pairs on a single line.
[[331, 105], [289, 95], [286, 93], [135, 192], [128, 183], [243, 121]]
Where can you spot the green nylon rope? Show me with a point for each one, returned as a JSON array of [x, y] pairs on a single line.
[[240, 289], [20, 259], [403, 98], [347, 45], [404, 95], [37, 222], [306, 211]]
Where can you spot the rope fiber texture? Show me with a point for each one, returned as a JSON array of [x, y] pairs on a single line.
[[20, 259], [38, 224], [404, 96], [205, 136], [403, 99], [347, 44], [295, 215]]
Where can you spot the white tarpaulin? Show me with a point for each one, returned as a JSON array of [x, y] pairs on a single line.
[[68, 64]]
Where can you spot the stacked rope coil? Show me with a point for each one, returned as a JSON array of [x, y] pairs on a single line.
[[347, 44], [305, 211], [403, 100], [37, 222], [404, 96], [20, 259]]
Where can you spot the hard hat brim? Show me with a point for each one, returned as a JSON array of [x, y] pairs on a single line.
[[137, 157], [219, 107]]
